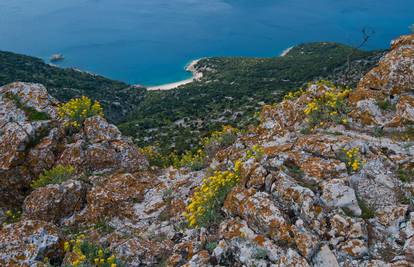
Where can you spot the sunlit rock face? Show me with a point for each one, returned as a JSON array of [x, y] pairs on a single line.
[[336, 193]]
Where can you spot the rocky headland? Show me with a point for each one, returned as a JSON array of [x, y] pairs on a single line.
[[326, 179]]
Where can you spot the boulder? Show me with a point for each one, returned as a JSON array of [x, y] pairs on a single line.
[[55, 202], [28, 242]]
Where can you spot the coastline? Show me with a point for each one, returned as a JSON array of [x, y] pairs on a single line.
[[286, 51], [197, 75]]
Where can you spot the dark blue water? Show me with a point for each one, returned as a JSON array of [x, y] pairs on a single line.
[[149, 41]]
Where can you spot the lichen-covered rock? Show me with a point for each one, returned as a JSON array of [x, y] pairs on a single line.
[[55, 202], [115, 196], [28, 242], [325, 257], [261, 214], [32, 95], [391, 81], [337, 194], [97, 129]]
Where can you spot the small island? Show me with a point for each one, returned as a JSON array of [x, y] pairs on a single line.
[[56, 58]]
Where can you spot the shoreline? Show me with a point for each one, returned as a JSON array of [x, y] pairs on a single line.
[[197, 75], [286, 51]]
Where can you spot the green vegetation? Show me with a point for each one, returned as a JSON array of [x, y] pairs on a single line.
[[331, 106], [85, 253], [207, 200], [233, 90], [367, 211], [56, 175], [31, 113], [77, 110], [195, 160], [117, 98], [405, 175], [12, 216], [210, 246], [386, 104]]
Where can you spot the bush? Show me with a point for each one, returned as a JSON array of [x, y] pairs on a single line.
[[405, 175], [219, 139], [352, 159], [329, 106], [206, 202], [154, 157], [77, 110], [85, 253], [195, 161], [56, 175], [256, 152], [385, 105]]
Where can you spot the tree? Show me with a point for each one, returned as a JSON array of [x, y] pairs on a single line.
[[366, 35]]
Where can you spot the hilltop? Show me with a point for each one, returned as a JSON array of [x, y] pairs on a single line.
[[326, 178]]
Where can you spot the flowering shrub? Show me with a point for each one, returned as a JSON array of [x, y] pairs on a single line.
[[77, 110], [207, 200], [352, 159], [195, 161], [84, 253], [328, 106], [56, 175], [294, 95], [154, 157], [219, 139], [255, 152]]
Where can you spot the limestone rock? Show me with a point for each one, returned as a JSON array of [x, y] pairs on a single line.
[[55, 202], [27, 242], [337, 194]]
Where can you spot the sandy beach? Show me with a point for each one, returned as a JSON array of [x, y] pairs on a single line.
[[190, 68], [286, 51]]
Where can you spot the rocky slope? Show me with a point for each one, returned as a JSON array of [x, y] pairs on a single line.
[[331, 193]]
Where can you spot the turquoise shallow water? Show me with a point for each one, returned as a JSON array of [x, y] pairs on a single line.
[[150, 41]]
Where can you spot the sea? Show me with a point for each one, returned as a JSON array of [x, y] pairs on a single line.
[[149, 42]]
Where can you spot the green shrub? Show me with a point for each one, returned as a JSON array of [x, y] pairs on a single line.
[[367, 211], [56, 175], [329, 106], [77, 110], [154, 157], [385, 105], [405, 175], [210, 246], [195, 161], [12, 216], [204, 208]]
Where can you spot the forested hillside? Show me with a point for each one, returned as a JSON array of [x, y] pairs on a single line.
[[234, 89]]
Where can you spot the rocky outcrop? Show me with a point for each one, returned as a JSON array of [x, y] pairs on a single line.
[[334, 193], [32, 140], [27, 243], [55, 202]]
